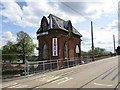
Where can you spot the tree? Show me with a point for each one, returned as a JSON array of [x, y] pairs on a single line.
[[98, 51], [83, 53], [25, 44], [8, 50]]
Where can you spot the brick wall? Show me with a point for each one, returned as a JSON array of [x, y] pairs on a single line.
[[62, 38]]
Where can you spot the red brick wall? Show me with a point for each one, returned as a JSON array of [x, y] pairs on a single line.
[[62, 38]]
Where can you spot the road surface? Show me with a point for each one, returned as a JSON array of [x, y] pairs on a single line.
[[97, 74]]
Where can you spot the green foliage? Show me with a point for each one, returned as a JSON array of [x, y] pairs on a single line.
[[83, 53], [9, 48], [24, 46], [97, 51], [24, 43]]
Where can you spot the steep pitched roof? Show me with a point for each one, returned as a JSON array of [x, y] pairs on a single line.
[[57, 23], [60, 24]]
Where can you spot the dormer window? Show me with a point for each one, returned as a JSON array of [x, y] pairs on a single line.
[[69, 26], [53, 25], [44, 24]]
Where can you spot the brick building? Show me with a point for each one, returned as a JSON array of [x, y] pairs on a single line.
[[58, 39], [118, 50]]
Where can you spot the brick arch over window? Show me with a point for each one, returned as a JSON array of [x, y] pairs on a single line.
[[44, 24], [45, 52]]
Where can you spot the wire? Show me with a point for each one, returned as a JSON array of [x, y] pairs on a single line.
[[115, 6], [82, 15], [75, 11]]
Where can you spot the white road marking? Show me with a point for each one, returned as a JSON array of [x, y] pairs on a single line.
[[103, 84], [19, 86], [22, 86], [10, 84], [14, 83], [52, 79], [65, 80], [48, 78], [37, 77], [57, 80], [44, 78]]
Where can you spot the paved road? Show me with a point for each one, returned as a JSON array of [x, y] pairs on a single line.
[[98, 74]]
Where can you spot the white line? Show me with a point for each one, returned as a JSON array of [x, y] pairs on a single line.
[[37, 77], [65, 80], [22, 86], [15, 86], [19, 86], [52, 79], [57, 80], [10, 84], [103, 84]]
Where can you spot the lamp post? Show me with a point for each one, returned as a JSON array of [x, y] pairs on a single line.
[[114, 42], [92, 42]]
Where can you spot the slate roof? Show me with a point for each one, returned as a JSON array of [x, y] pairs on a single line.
[[59, 23]]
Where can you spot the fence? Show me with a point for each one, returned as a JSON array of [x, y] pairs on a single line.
[[50, 65], [12, 64]]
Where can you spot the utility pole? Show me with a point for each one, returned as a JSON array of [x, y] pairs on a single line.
[[114, 42], [92, 42]]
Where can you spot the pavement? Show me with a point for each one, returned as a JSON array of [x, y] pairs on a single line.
[[103, 73]]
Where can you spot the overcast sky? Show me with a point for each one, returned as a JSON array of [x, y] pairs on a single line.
[[26, 16]]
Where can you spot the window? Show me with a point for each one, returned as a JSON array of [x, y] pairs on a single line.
[[45, 52], [66, 51], [77, 49], [54, 46]]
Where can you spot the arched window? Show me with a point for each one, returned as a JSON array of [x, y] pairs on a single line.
[[66, 51], [77, 51], [45, 52]]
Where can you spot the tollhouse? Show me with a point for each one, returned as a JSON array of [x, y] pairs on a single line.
[[58, 39]]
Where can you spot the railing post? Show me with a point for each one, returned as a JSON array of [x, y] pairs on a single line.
[[57, 64], [51, 64], [81, 59], [76, 60], [34, 68], [67, 63], [43, 67], [25, 67], [87, 59]]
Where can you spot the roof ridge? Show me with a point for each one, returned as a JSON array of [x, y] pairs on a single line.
[[57, 17]]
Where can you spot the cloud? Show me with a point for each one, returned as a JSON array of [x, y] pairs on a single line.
[[12, 11], [32, 12], [102, 38], [7, 36]]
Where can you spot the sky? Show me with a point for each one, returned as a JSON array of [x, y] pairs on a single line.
[[25, 15]]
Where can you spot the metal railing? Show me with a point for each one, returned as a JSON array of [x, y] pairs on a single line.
[[44, 66]]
